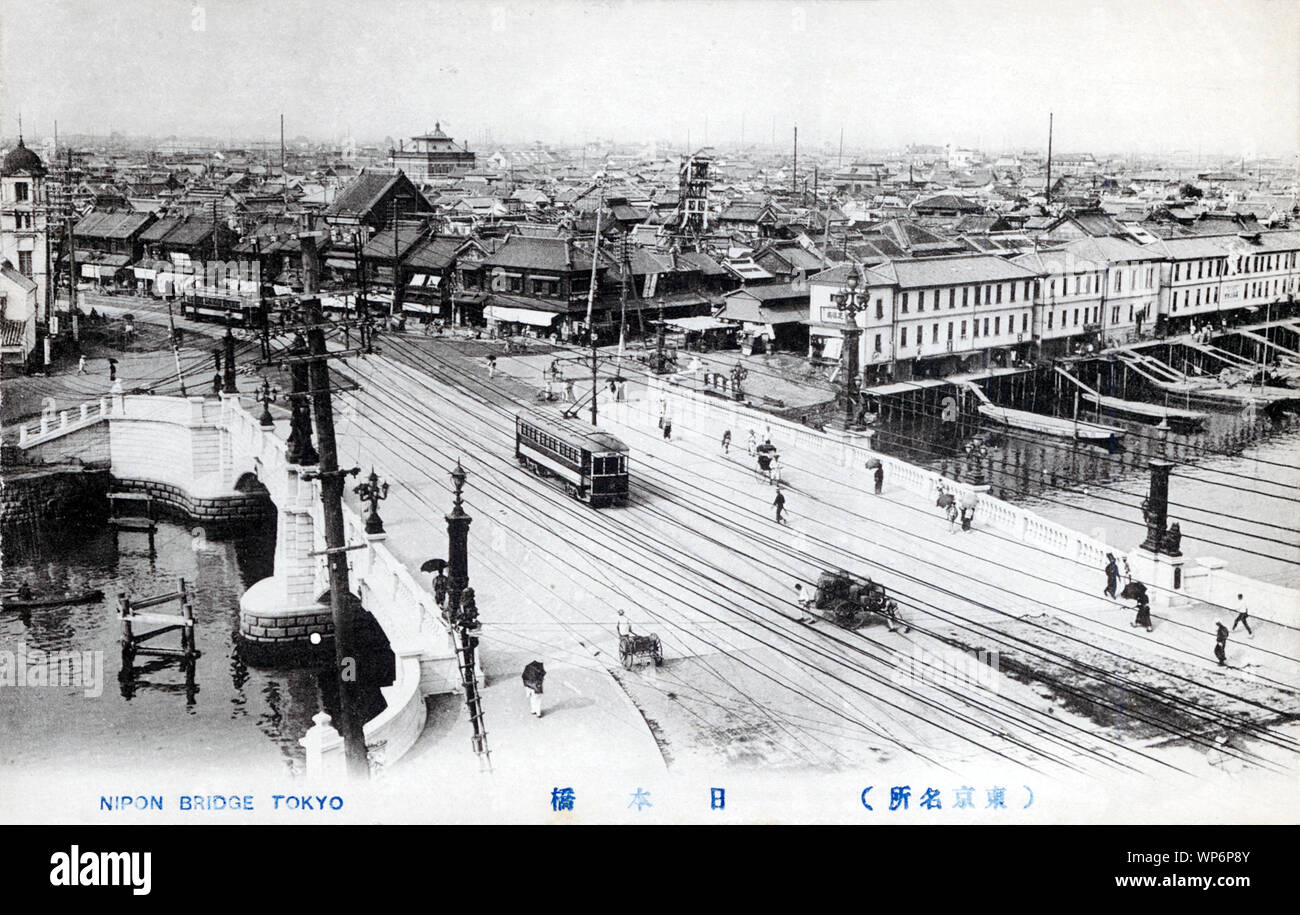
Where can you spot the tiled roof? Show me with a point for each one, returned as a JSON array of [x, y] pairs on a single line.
[[111, 224], [380, 246], [948, 271], [529, 252], [1107, 250]]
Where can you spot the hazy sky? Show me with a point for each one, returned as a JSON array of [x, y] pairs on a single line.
[[1120, 76]]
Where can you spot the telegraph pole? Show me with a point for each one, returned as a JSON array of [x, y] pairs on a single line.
[[591, 297], [343, 606]]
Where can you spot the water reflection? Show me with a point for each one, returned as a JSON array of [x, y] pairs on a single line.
[[218, 709]]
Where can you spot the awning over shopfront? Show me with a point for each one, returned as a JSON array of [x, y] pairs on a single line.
[[425, 281], [145, 273], [833, 348], [520, 315], [698, 324]]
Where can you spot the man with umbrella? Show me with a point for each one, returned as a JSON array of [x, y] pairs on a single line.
[[877, 473], [1137, 592], [534, 674]]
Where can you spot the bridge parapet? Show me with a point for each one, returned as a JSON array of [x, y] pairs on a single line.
[[200, 450]]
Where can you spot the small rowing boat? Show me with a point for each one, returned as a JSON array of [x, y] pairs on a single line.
[[14, 602]]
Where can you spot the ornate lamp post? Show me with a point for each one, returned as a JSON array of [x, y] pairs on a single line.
[[370, 490], [267, 397], [850, 301]]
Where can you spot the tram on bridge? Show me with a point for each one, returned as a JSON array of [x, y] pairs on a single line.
[[590, 464]]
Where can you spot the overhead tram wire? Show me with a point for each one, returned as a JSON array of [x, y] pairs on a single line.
[[784, 683], [476, 382], [1107, 458], [863, 672], [1130, 429], [638, 368], [779, 682], [459, 376], [912, 508], [1129, 505], [1189, 736]]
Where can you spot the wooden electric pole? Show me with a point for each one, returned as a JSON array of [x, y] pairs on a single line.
[[343, 606]]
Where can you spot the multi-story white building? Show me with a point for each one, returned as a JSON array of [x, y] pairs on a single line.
[[23, 214], [1130, 286], [929, 315], [939, 315], [1067, 300]]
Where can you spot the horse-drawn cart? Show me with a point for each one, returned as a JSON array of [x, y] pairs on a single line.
[[646, 647]]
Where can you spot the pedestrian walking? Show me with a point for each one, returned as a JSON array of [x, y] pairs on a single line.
[[613, 388], [569, 396], [1143, 617], [440, 590], [1112, 576], [1242, 616], [668, 428], [774, 474], [751, 443], [216, 383], [621, 395], [1128, 573], [952, 516], [534, 674], [805, 601], [492, 366], [879, 476], [726, 441], [779, 502], [967, 516], [112, 370], [1221, 642], [81, 365]]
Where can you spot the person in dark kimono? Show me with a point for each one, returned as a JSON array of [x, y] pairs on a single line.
[[1112, 576], [1221, 642]]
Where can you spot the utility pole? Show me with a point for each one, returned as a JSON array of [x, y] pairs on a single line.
[[343, 606], [1050, 118], [397, 267], [794, 178], [176, 351], [591, 296], [625, 264]]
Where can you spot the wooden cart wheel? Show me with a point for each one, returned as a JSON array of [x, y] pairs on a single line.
[[626, 658]]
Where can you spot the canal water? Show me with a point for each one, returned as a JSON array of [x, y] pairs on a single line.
[[1235, 489], [233, 716]]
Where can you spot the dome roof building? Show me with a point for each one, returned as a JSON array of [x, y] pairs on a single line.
[[22, 159]]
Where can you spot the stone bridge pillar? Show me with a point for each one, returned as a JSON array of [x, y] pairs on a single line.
[[281, 612]]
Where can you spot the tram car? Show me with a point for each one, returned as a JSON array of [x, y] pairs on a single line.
[[590, 464], [223, 308]]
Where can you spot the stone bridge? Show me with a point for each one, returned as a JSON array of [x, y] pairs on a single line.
[[209, 458]]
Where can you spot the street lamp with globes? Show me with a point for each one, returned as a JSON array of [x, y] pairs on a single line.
[[850, 301]]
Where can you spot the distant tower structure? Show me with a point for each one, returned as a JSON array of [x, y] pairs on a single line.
[[23, 215], [693, 197]]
